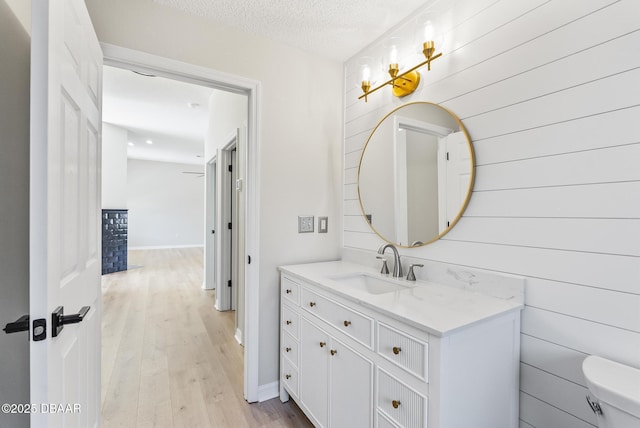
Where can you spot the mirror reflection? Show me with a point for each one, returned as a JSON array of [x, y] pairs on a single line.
[[415, 174]]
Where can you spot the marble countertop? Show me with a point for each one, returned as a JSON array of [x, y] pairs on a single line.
[[429, 306]]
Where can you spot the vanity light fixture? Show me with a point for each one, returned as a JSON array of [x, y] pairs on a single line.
[[405, 83]]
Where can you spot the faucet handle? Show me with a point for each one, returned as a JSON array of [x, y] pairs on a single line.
[[411, 276], [384, 269]]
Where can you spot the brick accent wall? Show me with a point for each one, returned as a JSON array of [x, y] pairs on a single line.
[[114, 240]]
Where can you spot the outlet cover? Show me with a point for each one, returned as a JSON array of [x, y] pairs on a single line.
[[323, 224], [305, 223]]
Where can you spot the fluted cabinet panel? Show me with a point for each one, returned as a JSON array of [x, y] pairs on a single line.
[[403, 350], [400, 403]]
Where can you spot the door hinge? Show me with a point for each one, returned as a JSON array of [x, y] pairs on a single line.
[[230, 168], [248, 259], [229, 225], [213, 231], [229, 283], [447, 155]]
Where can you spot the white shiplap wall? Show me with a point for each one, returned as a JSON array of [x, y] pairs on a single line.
[[549, 91]]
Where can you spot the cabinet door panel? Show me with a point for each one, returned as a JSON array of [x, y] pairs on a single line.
[[351, 390], [314, 371]]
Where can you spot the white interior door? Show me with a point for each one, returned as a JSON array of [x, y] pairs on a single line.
[[210, 227], [233, 249], [65, 249], [458, 173], [241, 167]]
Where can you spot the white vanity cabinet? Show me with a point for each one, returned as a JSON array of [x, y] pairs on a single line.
[[330, 380], [336, 382], [349, 362]]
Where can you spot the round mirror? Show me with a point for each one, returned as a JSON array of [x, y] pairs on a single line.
[[415, 174]]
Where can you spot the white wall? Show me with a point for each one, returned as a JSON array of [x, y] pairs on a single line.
[[14, 210], [166, 207], [227, 112], [22, 12], [300, 135], [114, 167], [549, 93]]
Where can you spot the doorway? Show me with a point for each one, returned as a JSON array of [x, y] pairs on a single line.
[[151, 64]]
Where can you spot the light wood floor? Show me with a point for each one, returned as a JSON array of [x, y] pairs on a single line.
[[169, 359]]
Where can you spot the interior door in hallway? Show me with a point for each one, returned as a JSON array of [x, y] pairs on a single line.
[[233, 215], [65, 261]]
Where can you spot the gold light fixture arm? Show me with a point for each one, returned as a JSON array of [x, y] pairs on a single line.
[[410, 75]]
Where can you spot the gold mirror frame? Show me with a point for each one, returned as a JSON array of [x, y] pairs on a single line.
[[465, 203]]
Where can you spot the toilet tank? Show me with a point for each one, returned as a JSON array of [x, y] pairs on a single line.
[[614, 391]]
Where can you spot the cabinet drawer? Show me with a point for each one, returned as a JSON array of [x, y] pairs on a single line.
[[344, 319], [290, 320], [290, 290], [289, 375], [403, 350], [290, 348], [400, 403]]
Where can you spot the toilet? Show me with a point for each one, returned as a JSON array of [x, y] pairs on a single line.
[[614, 392]]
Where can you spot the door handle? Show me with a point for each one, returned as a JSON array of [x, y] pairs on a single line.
[[21, 324], [58, 319]]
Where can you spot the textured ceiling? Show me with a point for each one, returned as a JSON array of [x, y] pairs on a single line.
[[172, 114], [334, 29], [158, 109]]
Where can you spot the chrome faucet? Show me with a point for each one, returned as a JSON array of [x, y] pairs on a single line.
[[397, 266]]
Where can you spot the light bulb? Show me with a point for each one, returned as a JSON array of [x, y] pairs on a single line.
[[366, 73], [393, 55], [429, 32]]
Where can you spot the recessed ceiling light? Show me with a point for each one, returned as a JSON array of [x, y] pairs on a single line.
[[130, 144], [149, 142]]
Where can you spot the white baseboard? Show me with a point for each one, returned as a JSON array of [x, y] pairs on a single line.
[[204, 286], [268, 391], [165, 247], [238, 336]]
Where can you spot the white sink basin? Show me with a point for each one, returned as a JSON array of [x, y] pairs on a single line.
[[369, 283]]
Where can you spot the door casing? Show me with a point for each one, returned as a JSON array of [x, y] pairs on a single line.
[[143, 62]]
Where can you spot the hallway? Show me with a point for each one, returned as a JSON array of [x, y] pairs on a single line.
[[169, 359]]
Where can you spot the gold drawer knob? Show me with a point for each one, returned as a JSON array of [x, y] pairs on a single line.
[[288, 291], [323, 344], [347, 323], [395, 404], [396, 350], [287, 349], [288, 322], [312, 304], [333, 352], [288, 376]]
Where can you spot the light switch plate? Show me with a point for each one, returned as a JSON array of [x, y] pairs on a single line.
[[323, 224], [305, 223]]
